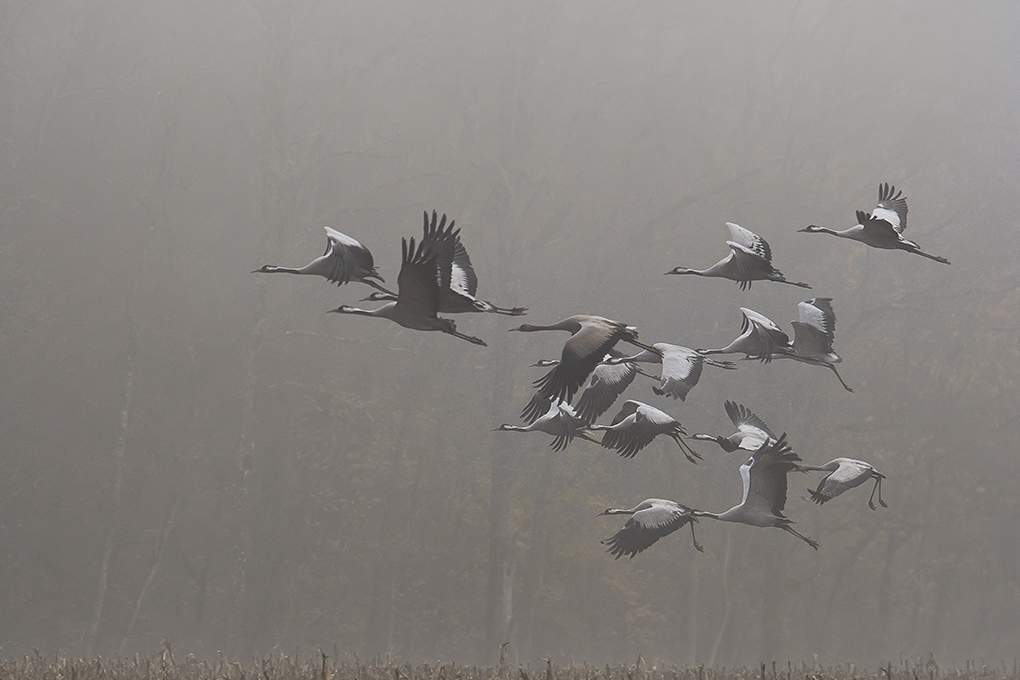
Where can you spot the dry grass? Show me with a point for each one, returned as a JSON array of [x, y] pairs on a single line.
[[164, 666]]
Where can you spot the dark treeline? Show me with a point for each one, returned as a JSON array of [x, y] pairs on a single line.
[[192, 452]]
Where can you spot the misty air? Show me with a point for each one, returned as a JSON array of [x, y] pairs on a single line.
[[529, 335]]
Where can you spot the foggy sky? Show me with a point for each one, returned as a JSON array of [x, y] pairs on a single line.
[[292, 479]]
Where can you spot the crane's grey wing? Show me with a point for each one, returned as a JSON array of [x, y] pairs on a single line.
[[818, 312], [750, 241], [681, 371], [850, 473], [347, 257], [638, 428], [809, 341], [607, 382], [770, 465], [418, 286], [742, 417], [892, 207], [442, 240], [647, 526], [582, 352], [877, 229]]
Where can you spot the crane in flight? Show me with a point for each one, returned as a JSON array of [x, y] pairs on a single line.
[[637, 424], [751, 432], [459, 295], [750, 259], [883, 228], [845, 474], [345, 260], [764, 478], [649, 520]]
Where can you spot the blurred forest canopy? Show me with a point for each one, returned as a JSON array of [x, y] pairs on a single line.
[[195, 453]]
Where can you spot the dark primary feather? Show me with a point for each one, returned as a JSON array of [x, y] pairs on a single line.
[[654, 519]]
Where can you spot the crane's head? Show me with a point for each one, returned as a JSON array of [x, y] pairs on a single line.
[[679, 270], [378, 297], [813, 229]]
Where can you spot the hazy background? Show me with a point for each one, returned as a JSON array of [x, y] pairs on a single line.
[[193, 452]]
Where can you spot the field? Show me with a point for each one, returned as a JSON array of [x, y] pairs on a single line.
[[165, 666]]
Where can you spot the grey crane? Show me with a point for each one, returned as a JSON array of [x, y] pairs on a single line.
[[751, 432], [591, 338], [459, 295], [636, 425], [813, 336], [883, 228], [760, 338], [345, 260], [845, 474], [649, 520], [750, 259], [419, 291], [764, 477], [681, 367], [560, 421]]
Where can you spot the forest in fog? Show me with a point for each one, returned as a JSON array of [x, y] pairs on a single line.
[[195, 453]]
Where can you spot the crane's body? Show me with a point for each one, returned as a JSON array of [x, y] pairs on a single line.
[[750, 259], [560, 421], [845, 474], [813, 336], [883, 228], [649, 520], [344, 260], [760, 338], [764, 478], [636, 425]]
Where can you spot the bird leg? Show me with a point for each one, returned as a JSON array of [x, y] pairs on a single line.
[[845, 386], [697, 546], [878, 488], [810, 541], [378, 287], [690, 453], [799, 284]]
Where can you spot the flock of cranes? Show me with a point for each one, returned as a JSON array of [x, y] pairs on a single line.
[[436, 276]]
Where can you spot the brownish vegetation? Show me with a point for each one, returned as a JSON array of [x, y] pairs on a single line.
[[164, 666]]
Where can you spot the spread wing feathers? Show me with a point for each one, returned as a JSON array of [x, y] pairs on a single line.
[[850, 473], [809, 341], [347, 257], [636, 425], [654, 519], [681, 370], [581, 354], [418, 286], [607, 382], [818, 312], [444, 239], [464, 278], [765, 483], [743, 419], [768, 335], [749, 241], [892, 207]]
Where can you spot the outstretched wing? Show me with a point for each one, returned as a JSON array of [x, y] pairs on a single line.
[[742, 418], [892, 207], [641, 531], [751, 241], [347, 257]]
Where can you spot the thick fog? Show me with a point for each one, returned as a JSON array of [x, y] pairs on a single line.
[[197, 453]]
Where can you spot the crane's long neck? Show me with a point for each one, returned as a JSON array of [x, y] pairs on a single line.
[[725, 443], [273, 269], [383, 311]]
